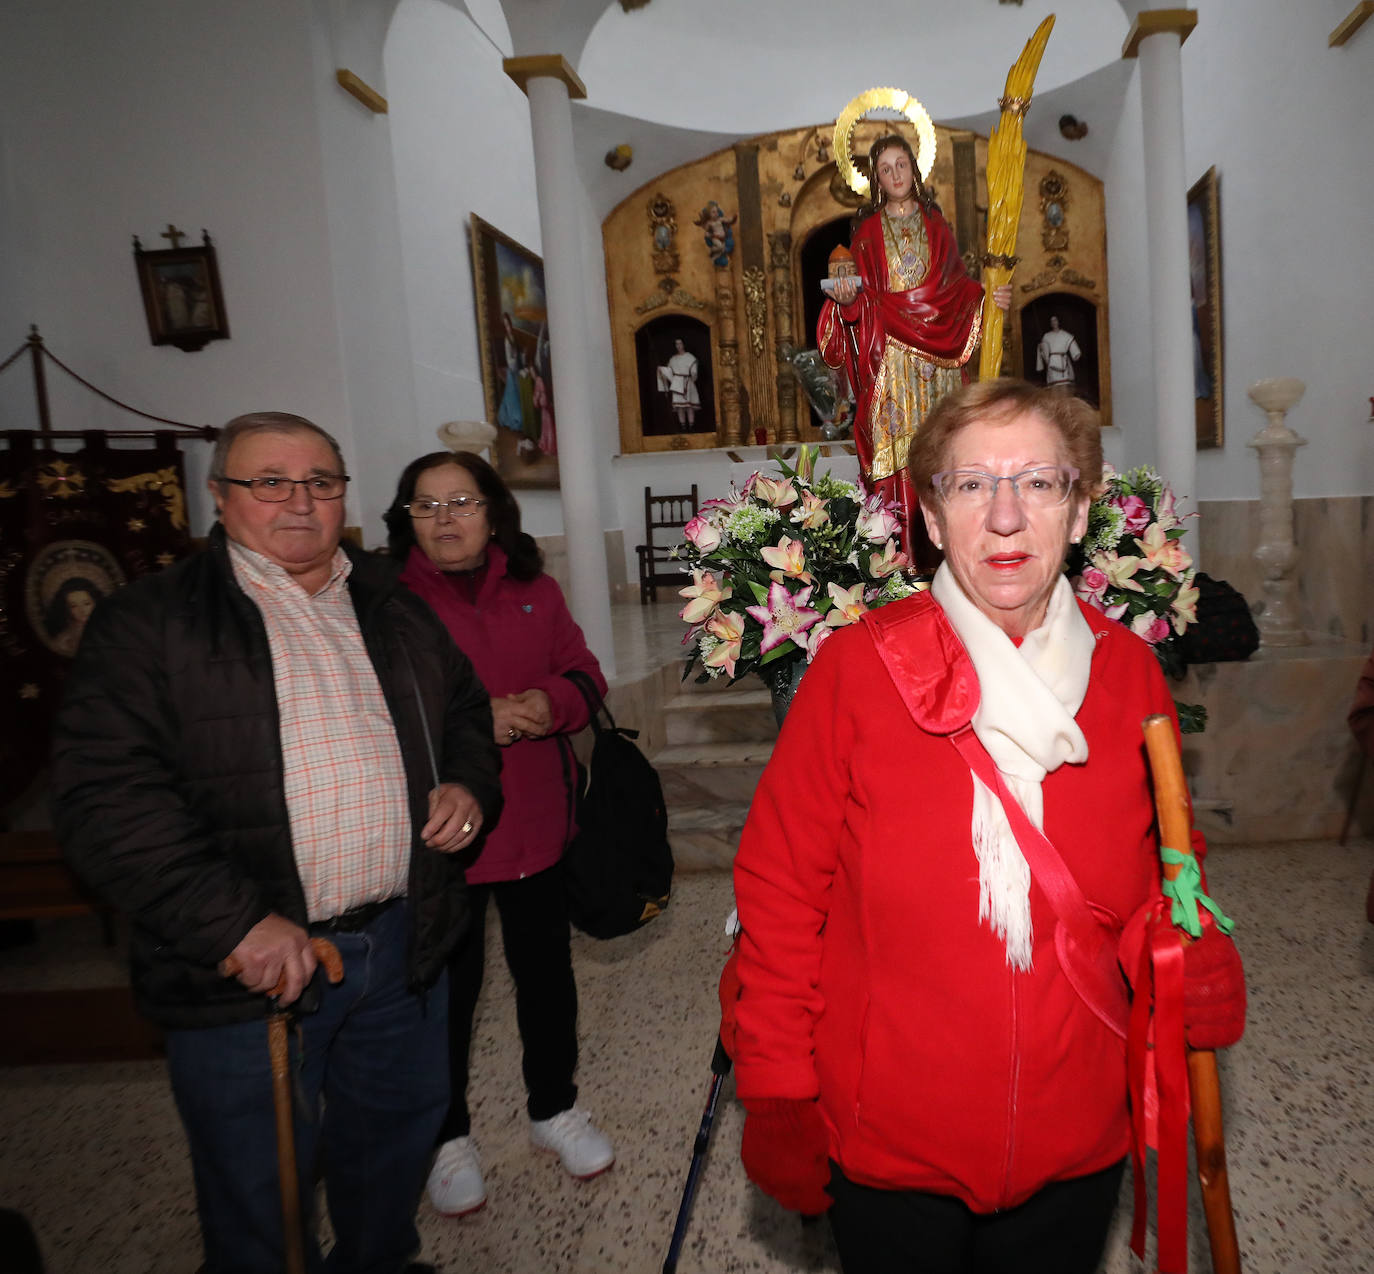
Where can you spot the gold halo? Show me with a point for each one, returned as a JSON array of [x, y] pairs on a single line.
[[895, 99]]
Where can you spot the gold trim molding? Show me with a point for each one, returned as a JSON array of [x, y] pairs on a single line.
[[1150, 22], [554, 65], [1351, 23], [363, 91]]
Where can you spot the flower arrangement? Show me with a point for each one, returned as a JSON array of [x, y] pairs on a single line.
[[1133, 567], [778, 566]]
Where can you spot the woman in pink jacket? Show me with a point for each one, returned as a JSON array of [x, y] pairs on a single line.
[[456, 527]]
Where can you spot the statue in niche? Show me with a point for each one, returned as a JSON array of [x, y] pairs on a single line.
[[720, 238], [902, 322]]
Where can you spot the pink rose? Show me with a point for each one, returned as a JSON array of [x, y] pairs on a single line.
[[1154, 628], [1137, 513], [703, 536], [877, 525], [1092, 584]]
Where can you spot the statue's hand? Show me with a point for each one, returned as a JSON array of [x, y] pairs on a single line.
[[844, 290]]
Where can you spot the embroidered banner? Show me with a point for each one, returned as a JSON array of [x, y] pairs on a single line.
[[74, 527]]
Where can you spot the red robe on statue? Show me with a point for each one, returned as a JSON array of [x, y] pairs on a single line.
[[903, 343]]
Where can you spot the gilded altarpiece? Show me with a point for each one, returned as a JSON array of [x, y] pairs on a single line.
[[735, 245]]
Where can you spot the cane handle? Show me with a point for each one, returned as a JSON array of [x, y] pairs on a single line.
[[325, 952]]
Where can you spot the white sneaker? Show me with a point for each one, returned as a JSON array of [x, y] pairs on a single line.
[[455, 1182], [578, 1142]]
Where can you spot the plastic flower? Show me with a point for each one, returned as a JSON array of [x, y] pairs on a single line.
[[1135, 511], [702, 534], [811, 513], [778, 493], [728, 631], [849, 605], [705, 593], [1092, 584], [888, 562], [787, 616], [877, 524], [788, 559], [1185, 606], [1167, 516], [1118, 570], [1160, 550], [815, 638], [1154, 628]]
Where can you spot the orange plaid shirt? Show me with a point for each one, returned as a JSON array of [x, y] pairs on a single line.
[[345, 780]]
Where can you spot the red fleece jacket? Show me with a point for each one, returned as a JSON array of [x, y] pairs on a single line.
[[519, 636], [868, 979]]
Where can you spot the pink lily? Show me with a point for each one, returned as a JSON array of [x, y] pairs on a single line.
[[786, 617], [849, 605], [777, 492], [729, 628], [1185, 606], [811, 512], [1168, 513], [705, 593], [1160, 550], [789, 560], [888, 562], [1118, 570]]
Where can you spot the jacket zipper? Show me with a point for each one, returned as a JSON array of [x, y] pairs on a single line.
[[1013, 1082]]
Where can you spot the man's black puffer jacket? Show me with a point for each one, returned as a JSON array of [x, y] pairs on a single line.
[[168, 792]]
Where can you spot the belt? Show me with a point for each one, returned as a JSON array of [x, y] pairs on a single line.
[[356, 919]]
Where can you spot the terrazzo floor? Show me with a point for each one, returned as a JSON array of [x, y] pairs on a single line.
[[94, 1155]]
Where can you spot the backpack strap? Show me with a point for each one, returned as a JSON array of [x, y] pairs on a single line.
[[595, 703]]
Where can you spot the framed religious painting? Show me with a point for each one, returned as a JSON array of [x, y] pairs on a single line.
[[513, 344], [1204, 275], [182, 298]]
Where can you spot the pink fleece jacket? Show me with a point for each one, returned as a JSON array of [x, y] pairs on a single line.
[[519, 636]]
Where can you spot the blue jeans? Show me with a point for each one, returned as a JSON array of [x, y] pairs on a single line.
[[370, 1085]]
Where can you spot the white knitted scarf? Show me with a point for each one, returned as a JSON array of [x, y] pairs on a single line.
[[1028, 698]]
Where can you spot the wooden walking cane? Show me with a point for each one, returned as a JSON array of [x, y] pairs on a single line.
[[278, 1045], [1175, 831]]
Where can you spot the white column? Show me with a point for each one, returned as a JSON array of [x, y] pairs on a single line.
[[547, 81], [1157, 38]]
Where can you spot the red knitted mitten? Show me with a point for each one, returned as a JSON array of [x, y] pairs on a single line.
[[785, 1152]]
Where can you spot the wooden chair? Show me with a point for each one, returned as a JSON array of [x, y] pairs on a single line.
[[662, 513]]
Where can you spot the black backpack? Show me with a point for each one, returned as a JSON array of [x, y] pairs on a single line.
[[619, 867], [1225, 628]]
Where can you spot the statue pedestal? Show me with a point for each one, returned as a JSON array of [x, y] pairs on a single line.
[[1280, 623]]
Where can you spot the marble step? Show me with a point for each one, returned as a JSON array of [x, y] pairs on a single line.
[[742, 715], [708, 773], [704, 837]]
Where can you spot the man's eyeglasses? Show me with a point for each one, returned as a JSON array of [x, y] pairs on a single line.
[[465, 506], [273, 490], [1045, 487]]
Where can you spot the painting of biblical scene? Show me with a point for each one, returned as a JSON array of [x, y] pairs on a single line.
[[517, 370], [1059, 344], [677, 393], [181, 295], [1204, 274]]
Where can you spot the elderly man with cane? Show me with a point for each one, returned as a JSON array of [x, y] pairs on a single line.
[[268, 744]]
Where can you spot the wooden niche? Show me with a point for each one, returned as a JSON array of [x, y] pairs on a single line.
[[713, 272]]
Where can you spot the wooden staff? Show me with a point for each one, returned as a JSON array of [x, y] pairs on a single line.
[[279, 1049], [1175, 831]]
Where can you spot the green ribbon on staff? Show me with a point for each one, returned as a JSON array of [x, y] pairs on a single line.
[[1188, 895]]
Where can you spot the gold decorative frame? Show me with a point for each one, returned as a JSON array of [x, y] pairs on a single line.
[[1204, 272]]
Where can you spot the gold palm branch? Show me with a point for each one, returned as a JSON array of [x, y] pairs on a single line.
[[1006, 186]]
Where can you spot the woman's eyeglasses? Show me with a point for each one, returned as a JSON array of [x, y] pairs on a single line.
[[465, 506], [1045, 487]]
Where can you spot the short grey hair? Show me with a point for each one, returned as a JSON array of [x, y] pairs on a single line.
[[259, 422]]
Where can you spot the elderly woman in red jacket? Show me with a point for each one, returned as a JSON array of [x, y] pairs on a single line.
[[456, 527], [911, 1041]]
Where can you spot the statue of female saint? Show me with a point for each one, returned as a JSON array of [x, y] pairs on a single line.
[[902, 324]]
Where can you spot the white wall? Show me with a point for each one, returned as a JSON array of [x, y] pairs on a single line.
[[1286, 121], [114, 120]]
